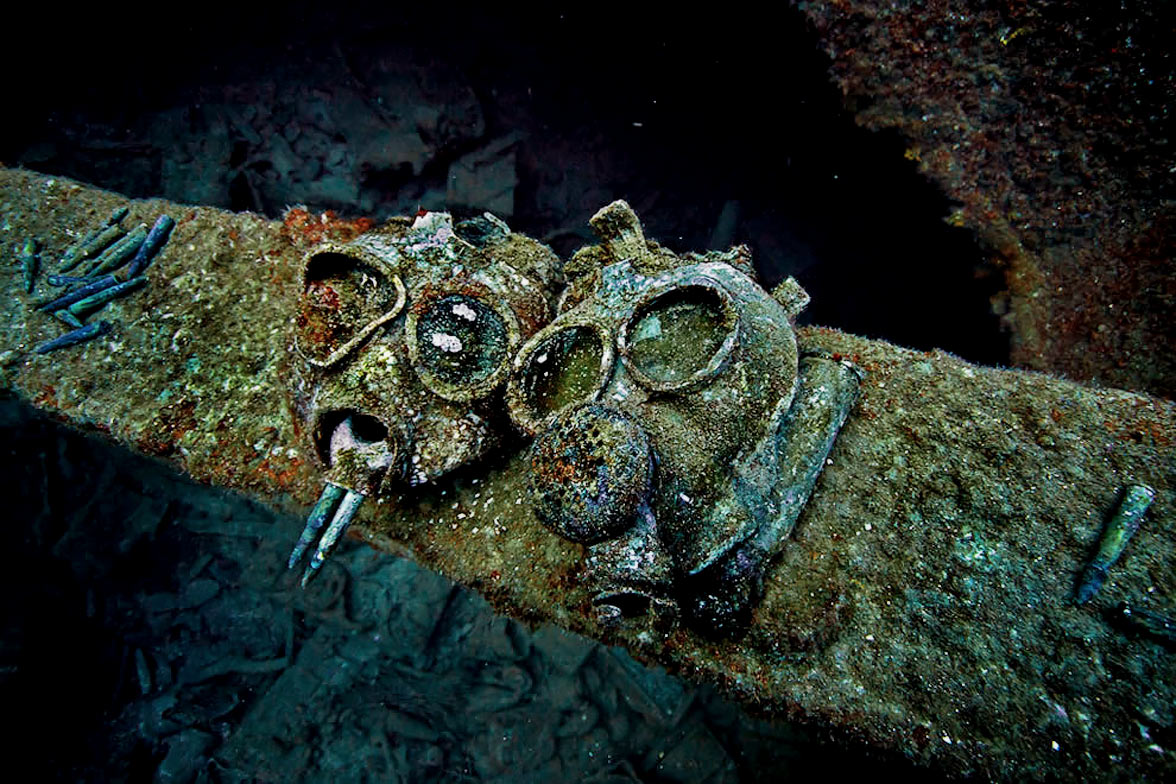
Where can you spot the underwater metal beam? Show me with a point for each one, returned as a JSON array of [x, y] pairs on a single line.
[[922, 604]]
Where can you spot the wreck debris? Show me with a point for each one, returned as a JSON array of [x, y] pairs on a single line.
[[900, 610], [1090, 94], [1118, 532]]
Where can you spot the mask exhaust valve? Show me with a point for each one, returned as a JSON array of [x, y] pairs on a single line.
[[360, 454], [344, 503], [322, 510], [343, 517]]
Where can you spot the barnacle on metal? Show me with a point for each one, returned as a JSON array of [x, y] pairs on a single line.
[[402, 339], [672, 440]]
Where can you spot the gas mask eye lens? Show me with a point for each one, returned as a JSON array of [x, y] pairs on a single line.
[[343, 301], [459, 343], [679, 337], [563, 369]]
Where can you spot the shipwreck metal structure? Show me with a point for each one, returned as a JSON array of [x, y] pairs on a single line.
[[925, 601]]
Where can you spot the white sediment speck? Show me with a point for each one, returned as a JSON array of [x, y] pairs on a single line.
[[464, 311], [447, 343]]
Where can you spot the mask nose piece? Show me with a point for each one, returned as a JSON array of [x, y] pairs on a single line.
[[591, 471]]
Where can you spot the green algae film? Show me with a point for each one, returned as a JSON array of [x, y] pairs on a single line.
[[564, 369], [676, 335]]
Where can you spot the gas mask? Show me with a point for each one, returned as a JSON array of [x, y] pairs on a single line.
[[402, 338], [678, 433]]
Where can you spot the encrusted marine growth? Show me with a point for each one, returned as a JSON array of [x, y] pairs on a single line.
[[678, 434], [403, 336]]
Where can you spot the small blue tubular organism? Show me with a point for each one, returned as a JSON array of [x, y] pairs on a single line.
[[95, 242], [65, 300], [1118, 532], [152, 244], [88, 332], [100, 298], [323, 509], [67, 280], [119, 253]]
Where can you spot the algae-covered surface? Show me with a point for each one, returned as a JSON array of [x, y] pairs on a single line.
[[924, 604]]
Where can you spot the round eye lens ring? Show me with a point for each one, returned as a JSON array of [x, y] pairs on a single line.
[[343, 257], [460, 341], [680, 336], [564, 364]]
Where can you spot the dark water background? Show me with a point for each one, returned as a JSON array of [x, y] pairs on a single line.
[[149, 632]]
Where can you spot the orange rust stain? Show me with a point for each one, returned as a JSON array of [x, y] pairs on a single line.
[[302, 227], [281, 475], [559, 471], [47, 397], [168, 427]]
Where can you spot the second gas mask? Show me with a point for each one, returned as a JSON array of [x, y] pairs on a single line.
[[671, 438]]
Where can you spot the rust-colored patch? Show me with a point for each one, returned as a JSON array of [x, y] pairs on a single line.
[[282, 471], [46, 398], [302, 227], [168, 427]]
